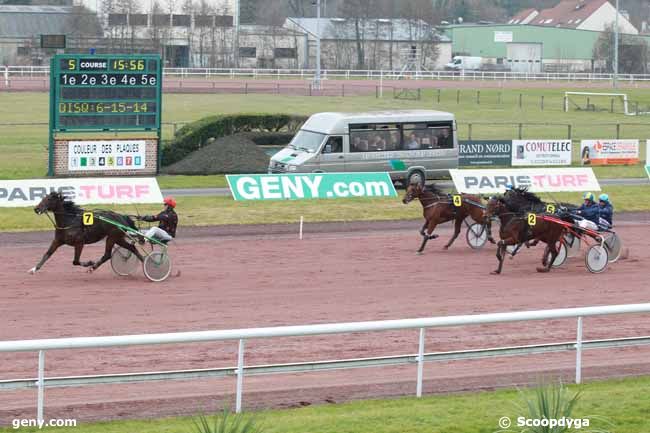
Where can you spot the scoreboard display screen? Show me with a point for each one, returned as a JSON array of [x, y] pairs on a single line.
[[105, 92]]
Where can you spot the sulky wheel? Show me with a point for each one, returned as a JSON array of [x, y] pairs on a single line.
[[596, 259], [614, 246], [573, 244], [476, 236], [157, 266], [123, 261]]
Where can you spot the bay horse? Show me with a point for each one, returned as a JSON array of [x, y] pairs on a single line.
[[70, 230], [516, 230], [438, 207]]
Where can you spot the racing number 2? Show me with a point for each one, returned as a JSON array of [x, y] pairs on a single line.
[[88, 218], [532, 219]]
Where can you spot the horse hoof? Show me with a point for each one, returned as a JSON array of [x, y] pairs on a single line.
[[418, 253], [543, 270], [495, 273], [32, 271], [446, 247]]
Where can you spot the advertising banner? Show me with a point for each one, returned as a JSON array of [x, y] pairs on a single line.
[[99, 155], [609, 152], [535, 179], [473, 153], [541, 152], [310, 186], [647, 157], [112, 190]]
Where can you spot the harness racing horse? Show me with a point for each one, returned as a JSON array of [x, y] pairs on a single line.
[[70, 230], [516, 229], [438, 208]]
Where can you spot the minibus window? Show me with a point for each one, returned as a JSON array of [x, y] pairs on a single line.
[[307, 140]]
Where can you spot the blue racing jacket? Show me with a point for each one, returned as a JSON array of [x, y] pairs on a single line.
[[606, 212], [591, 212]]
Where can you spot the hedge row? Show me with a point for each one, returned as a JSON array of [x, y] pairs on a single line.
[[194, 135]]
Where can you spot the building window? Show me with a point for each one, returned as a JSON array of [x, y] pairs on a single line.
[[181, 21], [23, 51], [138, 19], [223, 21], [203, 20], [117, 19], [284, 53], [160, 20], [248, 52]]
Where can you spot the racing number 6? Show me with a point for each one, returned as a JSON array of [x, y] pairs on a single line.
[[458, 201], [88, 218], [532, 219]]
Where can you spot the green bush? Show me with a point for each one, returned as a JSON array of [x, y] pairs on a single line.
[[194, 135]]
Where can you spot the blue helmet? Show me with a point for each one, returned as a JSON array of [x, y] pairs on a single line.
[[509, 187], [588, 196], [604, 197]]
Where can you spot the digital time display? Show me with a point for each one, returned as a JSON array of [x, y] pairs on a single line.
[[106, 92]]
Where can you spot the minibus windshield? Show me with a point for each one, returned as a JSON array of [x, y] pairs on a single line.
[[307, 140]]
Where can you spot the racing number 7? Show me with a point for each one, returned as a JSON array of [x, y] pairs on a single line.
[[88, 218]]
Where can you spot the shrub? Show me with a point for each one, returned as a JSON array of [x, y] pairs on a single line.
[[194, 135], [225, 422]]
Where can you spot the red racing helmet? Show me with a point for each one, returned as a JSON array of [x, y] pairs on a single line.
[[169, 201]]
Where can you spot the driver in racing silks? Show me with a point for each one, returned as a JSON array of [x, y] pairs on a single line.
[[590, 211], [605, 212], [168, 219]]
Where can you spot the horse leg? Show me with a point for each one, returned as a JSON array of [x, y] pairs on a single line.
[[549, 260], [53, 247], [426, 236], [129, 246], [501, 248], [458, 223], [78, 248], [424, 227], [108, 251]]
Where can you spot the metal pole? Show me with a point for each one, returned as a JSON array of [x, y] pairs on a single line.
[[41, 386], [317, 76], [418, 391], [579, 352], [240, 375], [236, 47], [615, 81]]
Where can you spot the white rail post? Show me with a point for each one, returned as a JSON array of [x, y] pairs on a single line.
[[240, 375], [6, 74], [41, 386], [418, 391], [579, 352]]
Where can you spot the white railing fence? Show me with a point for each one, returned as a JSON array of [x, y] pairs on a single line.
[[348, 74], [242, 335]]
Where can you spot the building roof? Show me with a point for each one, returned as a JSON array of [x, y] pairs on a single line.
[[372, 29], [523, 16], [30, 21], [567, 13]]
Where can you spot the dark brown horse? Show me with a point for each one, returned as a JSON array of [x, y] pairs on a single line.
[[516, 229], [438, 207], [70, 230]]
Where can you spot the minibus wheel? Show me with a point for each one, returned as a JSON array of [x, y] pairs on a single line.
[[416, 176]]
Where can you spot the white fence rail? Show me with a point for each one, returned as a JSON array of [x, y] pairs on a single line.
[[9, 72], [242, 335]]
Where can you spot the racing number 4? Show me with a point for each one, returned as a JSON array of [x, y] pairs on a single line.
[[88, 218]]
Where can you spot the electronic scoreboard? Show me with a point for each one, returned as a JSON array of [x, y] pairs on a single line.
[[105, 92], [95, 95]]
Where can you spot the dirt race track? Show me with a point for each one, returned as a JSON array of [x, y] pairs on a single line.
[[239, 277]]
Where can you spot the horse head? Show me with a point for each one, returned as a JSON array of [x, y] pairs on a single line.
[[413, 191], [495, 206], [50, 203]]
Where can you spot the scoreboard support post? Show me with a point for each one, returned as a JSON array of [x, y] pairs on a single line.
[[105, 115]]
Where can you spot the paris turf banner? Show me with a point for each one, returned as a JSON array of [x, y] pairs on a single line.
[[535, 179]]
